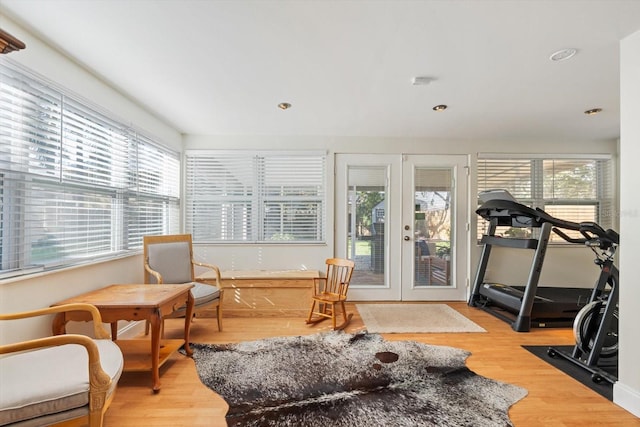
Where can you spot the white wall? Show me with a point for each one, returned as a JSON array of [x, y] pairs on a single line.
[[42, 290], [564, 266], [626, 392]]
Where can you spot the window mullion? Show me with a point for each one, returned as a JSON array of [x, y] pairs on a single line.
[[537, 183], [257, 232]]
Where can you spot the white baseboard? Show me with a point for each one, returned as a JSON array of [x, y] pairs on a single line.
[[627, 398], [131, 329]]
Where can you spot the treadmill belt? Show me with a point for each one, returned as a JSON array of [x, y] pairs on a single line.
[[549, 302], [563, 295]]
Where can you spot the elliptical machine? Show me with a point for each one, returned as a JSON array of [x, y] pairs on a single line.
[[595, 327]]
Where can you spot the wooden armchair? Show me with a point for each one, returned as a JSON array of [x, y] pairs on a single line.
[[169, 259], [330, 291], [61, 380]]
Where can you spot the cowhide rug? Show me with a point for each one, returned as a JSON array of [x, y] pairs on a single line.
[[340, 379]]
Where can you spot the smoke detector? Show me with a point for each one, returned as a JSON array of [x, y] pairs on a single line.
[[421, 80], [563, 55]]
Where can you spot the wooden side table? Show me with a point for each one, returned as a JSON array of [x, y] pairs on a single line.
[[136, 302]]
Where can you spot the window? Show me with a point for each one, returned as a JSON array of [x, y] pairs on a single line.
[[75, 183], [255, 197], [572, 188]]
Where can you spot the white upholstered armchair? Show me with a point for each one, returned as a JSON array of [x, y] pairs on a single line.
[[59, 380]]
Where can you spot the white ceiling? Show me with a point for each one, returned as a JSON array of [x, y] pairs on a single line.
[[221, 67]]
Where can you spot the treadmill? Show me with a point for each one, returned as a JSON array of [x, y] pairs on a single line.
[[529, 305]]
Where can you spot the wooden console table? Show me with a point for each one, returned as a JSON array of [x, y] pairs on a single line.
[[136, 302], [265, 293]]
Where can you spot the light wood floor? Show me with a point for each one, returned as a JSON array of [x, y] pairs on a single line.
[[554, 399]]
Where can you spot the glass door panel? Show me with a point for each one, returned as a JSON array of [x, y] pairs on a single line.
[[367, 206], [432, 227]]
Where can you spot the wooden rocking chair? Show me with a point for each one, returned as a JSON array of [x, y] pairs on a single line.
[[330, 291]]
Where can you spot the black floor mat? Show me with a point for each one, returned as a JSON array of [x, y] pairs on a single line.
[[604, 388]]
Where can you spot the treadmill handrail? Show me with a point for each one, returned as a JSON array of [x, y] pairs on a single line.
[[581, 240], [608, 235], [599, 239]]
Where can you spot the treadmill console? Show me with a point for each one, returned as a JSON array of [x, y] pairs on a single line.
[[495, 194], [501, 205]]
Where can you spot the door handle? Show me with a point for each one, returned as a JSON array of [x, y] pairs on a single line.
[[407, 238]]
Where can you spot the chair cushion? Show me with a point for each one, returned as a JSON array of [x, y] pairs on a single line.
[[172, 261], [202, 294], [52, 380]]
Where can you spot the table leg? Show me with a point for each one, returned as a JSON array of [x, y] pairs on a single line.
[[187, 323], [114, 331], [58, 327], [156, 322]]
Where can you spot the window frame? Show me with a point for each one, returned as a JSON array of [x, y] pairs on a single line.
[[86, 156], [604, 184], [252, 205]]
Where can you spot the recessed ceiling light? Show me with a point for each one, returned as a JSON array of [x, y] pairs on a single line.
[[593, 111], [563, 54], [440, 107], [284, 106]]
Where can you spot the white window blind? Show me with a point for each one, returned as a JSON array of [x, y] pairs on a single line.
[[75, 184], [255, 197], [575, 189]]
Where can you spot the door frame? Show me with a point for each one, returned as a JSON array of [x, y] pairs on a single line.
[[399, 254], [393, 193], [459, 240]]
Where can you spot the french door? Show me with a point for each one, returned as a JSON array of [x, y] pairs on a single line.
[[403, 220]]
